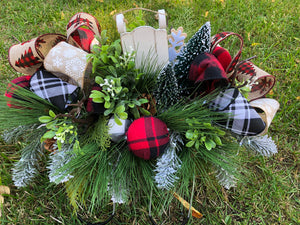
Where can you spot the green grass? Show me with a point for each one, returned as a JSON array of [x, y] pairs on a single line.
[[270, 192]]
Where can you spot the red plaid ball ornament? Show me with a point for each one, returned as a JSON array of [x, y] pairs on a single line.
[[147, 137]]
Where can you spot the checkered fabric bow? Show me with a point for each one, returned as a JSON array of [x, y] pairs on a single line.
[[53, 89], [243, 119], [207, 69]]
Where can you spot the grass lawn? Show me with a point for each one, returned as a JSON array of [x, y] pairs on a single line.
[[269, 193]]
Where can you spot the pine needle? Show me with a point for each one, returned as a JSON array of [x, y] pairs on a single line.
[[176, 116], [27, 110]]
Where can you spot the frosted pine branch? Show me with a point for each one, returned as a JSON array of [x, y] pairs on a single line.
[[57, 161], [262, 145], [225, 179], [168, 164], [26, 168]]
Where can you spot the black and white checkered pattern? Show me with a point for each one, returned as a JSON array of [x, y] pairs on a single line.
[[243, 119], [53, 89]]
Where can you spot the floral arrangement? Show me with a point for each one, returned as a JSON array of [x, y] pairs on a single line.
[[116, 130]]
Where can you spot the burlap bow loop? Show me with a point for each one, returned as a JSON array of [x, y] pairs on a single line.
[[82, 30], [28, 57]]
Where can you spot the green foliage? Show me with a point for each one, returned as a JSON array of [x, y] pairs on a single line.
[[209, 135], [244, 89], [178, 116], [116, 98], [106, 57], [117, 75], [91, 172], [98, 134], [269, 194], [61, 129], [23, 112]]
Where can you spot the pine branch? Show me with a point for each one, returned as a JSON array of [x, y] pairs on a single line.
[[90, 171], [262, 145], [98, 133], [20, 133], [56, 162], [168, 164], [27, 167], [25, 111], [176, 116], [149, 71], [225, 178]]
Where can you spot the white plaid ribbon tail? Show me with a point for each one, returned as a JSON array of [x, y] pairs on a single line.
[[243, 119], [53, 89]]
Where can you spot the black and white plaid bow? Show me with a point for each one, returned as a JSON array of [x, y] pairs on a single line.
[[243, 119], [53, 89]]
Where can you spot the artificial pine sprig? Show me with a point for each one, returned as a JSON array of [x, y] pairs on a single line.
[[25, 110], [178, 115], [57, 160], [262, 145], [98, 134], [27, 167], [168, 164], [225, 178], [91, 173]]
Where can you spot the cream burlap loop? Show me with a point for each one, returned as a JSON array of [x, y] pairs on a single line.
[[70, 61], [28, 57], [267, 109], [260, 81]]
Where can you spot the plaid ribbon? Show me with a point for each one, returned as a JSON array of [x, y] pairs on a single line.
[[243, 119], [260, 81], [27, 59], [220, 37], [206, 68], [83, 38], [83, 19], [53, 89], [147, 137]]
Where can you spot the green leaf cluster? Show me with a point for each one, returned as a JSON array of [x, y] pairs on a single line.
[[117, 76], [105, 56], [61, 129], [209, 136]]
